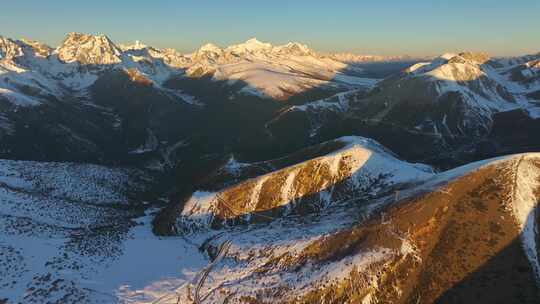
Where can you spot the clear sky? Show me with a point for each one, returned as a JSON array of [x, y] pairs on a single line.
[[413, 27]]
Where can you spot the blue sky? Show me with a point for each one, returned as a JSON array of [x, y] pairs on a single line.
[[414, 27]]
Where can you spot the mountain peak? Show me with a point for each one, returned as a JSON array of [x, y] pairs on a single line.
[[88, 49], [137, 45], [74, 37], [9, 49], [253, 40], [251, 45], [447, 60], [38, 48], [294, 48], [210, 47], [477, 57]]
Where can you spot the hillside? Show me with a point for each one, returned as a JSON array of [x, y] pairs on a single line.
[[468, 234]]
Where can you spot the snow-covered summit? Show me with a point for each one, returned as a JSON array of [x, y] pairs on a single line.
[[294, 48], [469, 74], [137, 45], [254, 47], [269, 71], [38, 49], [9, 48], [210, 47], [88, 49], [250, 46]]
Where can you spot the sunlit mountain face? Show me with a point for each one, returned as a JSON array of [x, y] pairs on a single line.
[[256, 173]]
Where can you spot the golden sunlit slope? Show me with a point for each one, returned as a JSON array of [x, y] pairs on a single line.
[[468, 235], [355, 167]]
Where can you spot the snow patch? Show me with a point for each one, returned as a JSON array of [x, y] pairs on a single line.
[[525, 205]]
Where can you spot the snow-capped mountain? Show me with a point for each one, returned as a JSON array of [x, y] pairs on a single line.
[[115, 89], [273, 72], [80, 59], [88, 50], [355, 58], [456, 100], [463, 86]]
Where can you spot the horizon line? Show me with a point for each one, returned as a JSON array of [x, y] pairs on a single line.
[[274, 44]]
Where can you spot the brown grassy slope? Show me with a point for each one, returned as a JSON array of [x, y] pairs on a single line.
[[466, 244]]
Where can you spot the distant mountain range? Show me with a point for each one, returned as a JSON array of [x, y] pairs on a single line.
[[80, 59], [66, 95]]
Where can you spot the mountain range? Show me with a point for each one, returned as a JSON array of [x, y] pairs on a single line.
[[256, 173]]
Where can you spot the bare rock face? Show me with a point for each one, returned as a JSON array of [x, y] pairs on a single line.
[[478, 57], [9, 49], [137, 77], [37, 48], [88, 50]]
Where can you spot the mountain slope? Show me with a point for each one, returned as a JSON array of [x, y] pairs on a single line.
[[467, 235], [59, 221], [347, 167]]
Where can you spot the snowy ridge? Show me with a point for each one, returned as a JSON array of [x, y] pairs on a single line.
[[484, 87], [268, 71], [362, 166], [525, 207], [475, 81], [250, 267], [450, 97], [273, 71]]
